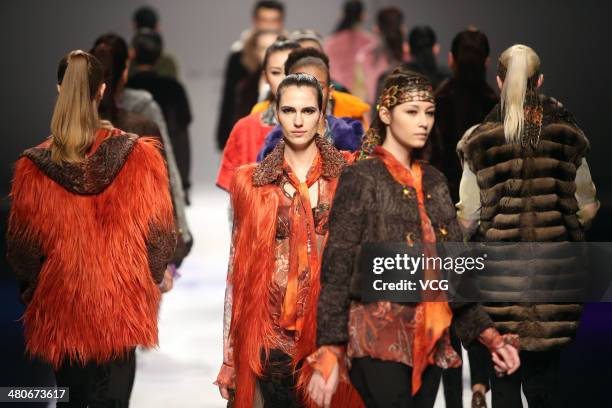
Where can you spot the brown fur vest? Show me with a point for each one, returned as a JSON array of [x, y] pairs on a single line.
[[527, 195]]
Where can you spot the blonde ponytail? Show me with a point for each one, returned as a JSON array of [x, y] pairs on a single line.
[[75, 117], [517, 65]]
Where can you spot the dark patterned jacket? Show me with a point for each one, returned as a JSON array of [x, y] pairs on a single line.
[[369, 207], [527, 195]]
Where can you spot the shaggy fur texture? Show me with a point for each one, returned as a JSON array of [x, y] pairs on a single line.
[[100, 232], [255, 200]]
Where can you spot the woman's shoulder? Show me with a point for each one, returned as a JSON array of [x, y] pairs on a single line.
[[251, 121], [242, 181], [136, 123], [364, 169], [432, 173]]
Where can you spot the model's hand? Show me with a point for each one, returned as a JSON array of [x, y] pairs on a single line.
[[506, 360], [168, 282], [226, 381], [322, 391], [504, 350], [224, 392]]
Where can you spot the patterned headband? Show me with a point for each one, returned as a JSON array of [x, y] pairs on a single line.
[[414, 90]]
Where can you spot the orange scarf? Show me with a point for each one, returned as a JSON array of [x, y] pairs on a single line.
[[303, 253], [432, 319]]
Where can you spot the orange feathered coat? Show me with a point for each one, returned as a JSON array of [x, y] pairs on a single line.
[[255, 200], [89, 243]]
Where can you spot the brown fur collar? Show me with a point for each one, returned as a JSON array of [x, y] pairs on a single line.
[[271, 168], [94, 174]]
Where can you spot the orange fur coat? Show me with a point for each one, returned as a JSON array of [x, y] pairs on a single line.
[[255, 201], [89, 242]]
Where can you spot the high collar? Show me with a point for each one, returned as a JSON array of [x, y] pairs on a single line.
[[270, 169], [96, 172]]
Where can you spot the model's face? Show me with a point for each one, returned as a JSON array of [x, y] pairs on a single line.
[[263, 42], [409, 123], [268, 19], [275, 70], [298, 115], [321, 76]]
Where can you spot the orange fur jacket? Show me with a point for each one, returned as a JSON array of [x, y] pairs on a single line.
[[255, 201], [89, 243]]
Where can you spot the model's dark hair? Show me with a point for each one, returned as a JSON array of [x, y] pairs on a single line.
[[402, 78], [421, 40], [300, 80], [148, 46], [305, 57], [145, 17], [281, 44], [112, 52], [389, 21], [269, 4], [470, 50], [352, 13]]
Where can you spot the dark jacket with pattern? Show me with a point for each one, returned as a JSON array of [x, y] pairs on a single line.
[[369, 207], [527, 195]]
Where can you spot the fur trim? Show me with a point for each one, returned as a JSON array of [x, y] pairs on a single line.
[[95, 173], [271, 168], [346, 132]]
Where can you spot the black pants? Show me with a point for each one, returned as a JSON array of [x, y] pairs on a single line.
[[480, 364], [385, 384], [452, 378], [278, 386], [107, 385], [539, 376]]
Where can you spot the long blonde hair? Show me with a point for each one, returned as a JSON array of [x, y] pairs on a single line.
[[517, 66], [75, 117]]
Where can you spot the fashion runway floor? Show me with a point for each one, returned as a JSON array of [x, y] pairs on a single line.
[[181, 371]]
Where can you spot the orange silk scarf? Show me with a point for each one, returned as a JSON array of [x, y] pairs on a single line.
[[303, 253]]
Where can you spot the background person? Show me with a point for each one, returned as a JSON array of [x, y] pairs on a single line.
[[267, 15], [169, 94], [346, 41]]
